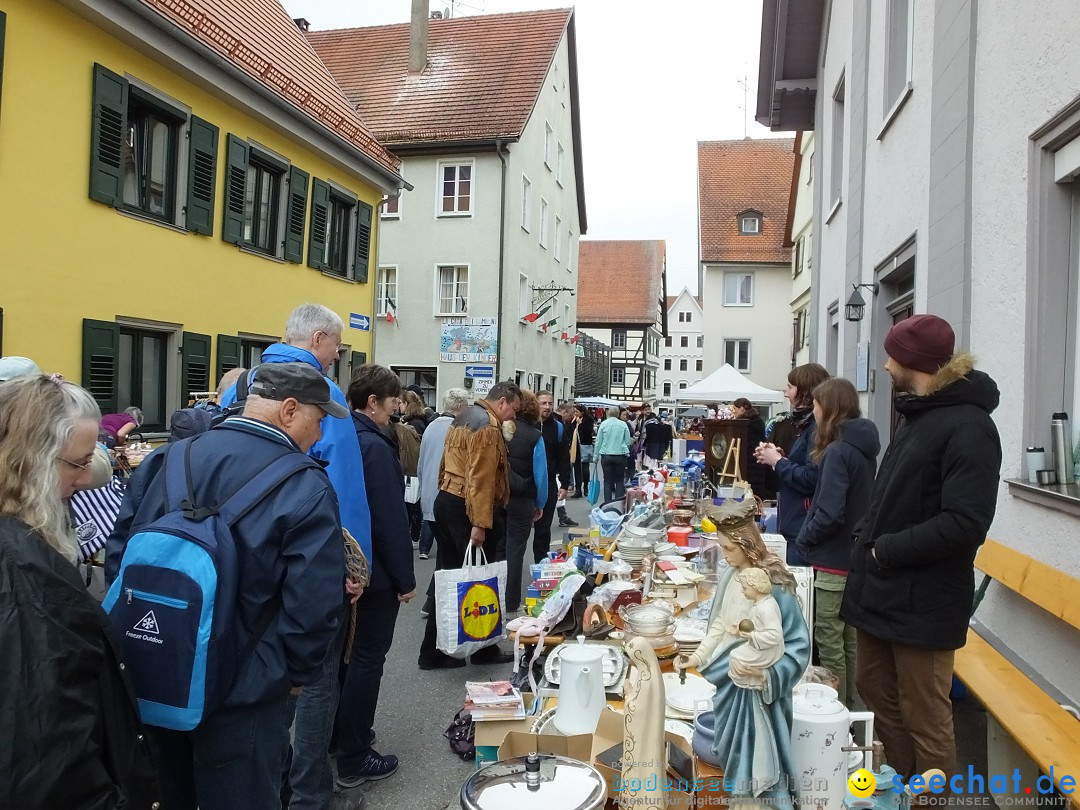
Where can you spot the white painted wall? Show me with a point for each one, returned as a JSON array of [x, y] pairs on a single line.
[[802, 231], [767, 323], [691, 330], [421, 239]]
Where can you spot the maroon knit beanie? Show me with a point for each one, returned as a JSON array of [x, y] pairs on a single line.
[[922, 342]]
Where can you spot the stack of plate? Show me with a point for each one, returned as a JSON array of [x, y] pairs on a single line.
[[687, 700], [632, 554]]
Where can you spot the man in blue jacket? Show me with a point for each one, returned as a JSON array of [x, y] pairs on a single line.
[[313, 336], [290, 549]]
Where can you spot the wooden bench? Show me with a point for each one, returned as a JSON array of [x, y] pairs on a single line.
[[1048, 733]]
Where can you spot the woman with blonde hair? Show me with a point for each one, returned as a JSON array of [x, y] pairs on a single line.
[[69, 724]]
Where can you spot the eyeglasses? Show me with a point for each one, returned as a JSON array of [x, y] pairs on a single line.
[[77, 465]]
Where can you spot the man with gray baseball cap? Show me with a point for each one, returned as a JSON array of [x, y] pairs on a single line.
[[299, 381]]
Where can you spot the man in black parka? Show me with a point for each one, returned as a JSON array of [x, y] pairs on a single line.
[[912, 581]]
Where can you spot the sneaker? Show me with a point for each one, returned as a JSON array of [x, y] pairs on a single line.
[[492, 655], [439, 661], [565, 522], [373, 767], [423, 613], [424, 555], [416, 544]]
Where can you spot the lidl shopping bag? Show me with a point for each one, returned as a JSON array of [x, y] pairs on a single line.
[[469, 604]]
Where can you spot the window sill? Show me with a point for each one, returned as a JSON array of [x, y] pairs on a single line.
[[262, 255], [890, 116], [454, 215], [736, 305], [126, 212], [834, 209], [326, 273], [389, 217], [526, 230], [1062, 497], [451, 315]]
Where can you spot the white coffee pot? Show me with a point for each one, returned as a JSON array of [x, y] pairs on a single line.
[[581, 687]]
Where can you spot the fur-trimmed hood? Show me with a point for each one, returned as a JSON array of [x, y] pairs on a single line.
[[955, 383]]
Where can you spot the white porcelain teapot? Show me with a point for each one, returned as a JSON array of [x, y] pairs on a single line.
[[581, 688], [819, 732]]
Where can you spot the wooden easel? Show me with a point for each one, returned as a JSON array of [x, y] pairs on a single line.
[[731, 469]]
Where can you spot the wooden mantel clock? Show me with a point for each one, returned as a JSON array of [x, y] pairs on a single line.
[[718, 434]]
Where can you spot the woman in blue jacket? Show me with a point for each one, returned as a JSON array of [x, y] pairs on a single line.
[[373, 397], [845, 450], [794, 467]]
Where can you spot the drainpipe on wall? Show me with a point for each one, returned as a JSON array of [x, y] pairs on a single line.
[[499, 146]]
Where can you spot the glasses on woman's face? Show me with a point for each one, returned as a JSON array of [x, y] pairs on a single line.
[[84, 467]]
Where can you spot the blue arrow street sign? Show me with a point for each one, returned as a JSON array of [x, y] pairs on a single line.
[[480, 372], [361, 322]]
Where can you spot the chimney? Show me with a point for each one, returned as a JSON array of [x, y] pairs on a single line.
[[418, 29], [302, 24]]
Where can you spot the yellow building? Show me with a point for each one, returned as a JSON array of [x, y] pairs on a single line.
[[177, 175]]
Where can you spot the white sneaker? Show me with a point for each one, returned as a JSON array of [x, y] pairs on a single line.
[[416, 544]]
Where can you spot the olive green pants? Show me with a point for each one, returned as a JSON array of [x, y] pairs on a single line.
[[835, 640]]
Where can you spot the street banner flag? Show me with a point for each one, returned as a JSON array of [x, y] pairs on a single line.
[[534, 316]]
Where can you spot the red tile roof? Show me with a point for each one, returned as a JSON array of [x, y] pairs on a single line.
[[736, 176], [259, 37], [620, 281], [482, 79]]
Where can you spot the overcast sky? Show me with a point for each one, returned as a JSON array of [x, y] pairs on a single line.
[[655, 78]]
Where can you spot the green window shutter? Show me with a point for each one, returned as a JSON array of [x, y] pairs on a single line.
[[236, 165], [294, 224], [202, 166], [320, 216], [194, 364], [107, 132], [228, 353], [356, 359], [363, 241], [101, 363]]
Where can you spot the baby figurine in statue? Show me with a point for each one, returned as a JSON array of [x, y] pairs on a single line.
[[763, 631], [748, 732]]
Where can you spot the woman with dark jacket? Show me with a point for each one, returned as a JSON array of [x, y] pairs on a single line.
[[795, 469], [845, 450], [528, 491], [69, 724], [373, 397], [585, 428], [758, 475]]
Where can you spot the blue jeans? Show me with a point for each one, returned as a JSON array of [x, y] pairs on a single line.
[[311, 779], [376, 615], [427, 536], [233, 759]]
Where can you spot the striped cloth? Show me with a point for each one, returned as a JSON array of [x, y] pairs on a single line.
[[94, 513]]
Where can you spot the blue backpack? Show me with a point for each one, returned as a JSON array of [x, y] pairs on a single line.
[[173, 603]]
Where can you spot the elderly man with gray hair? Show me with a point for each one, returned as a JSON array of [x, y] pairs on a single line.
[[455, 401], [313, 336]]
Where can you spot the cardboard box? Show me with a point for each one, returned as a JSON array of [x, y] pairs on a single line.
[[489, 735], [523, 743], [609, 762]]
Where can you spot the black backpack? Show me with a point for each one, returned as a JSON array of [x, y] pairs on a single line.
[[188, 422]]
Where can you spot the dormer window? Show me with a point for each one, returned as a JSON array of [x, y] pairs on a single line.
[[749, 223]]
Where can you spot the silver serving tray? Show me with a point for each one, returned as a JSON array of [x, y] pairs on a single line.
[[614, 664]]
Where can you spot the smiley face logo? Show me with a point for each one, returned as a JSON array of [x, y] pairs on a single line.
[[861, 783]]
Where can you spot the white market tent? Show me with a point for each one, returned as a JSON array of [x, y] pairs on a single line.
[[599, 402], [727, 384]]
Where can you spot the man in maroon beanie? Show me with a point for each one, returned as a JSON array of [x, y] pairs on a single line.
[[911, 584]]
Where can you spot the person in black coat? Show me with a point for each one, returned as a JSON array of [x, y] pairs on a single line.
[[557, 438], [528, 492], [796, 471], [911, 581], [758, 475], [69, 723], [373, 396], [845, 450], [585, 427]]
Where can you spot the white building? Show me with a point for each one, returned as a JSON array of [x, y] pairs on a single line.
[[483, 111], [948, 154], [682, 354], [621, 303], [745, 271], [801, 237]]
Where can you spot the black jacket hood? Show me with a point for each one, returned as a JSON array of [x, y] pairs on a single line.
[[958, 382], [862, 434]]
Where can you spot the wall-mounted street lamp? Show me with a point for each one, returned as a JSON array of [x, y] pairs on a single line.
[[856, 306]]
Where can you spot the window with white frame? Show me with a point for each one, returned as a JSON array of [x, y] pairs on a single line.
[[738, 289], [543, 223], [391, 207], [898, 52], [750, 224], [566, 318], [682, 385], [836, 153], [386, 291], [667, 389], [524, 296], [569, 244], [453, 290], [526, 202], [618, 340], [701, 341], [682, 365], [549, 146], [618, 375], [684, 342], [560, 159], [667, 364], [557, 252], [737, 354], [456, 189]]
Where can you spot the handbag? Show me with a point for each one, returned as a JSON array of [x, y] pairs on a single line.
[[469, 604], [586, 452], [594, 486], [412, 488]]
